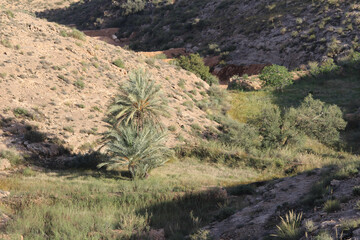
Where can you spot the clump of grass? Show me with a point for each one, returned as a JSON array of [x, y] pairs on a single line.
[[35, 136], [290, 226], [119, 63], [77, 34], [14, 157], [22, 112], [323, 236], [332, 206], [69, 129], [79, 84], [9, 13]]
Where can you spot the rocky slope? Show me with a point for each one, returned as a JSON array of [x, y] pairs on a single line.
[[285, 32], [60, 82]]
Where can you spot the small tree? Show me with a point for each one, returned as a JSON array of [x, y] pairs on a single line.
[[139, 102], [276, 76], [318, 120], [195, 64], [141, 151], [130, 140]]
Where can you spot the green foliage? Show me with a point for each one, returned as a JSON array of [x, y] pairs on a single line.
[[313, 118], [132, 6], [141, 151], [139, 101], [332, 206], [290, 227], [239, 134], [318, 120], [77, 34], [324, 69], [14, 157], [276, 76], [119, 63], [323, 236], [195, 64], [22, 112], [200, 235]]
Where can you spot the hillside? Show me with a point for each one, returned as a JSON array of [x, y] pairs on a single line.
[[63, 84], [288, 33], [277, 163]]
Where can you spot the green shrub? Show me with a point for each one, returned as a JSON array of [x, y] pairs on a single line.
[[195, 64], [132, 6], [290, 227], [35, 136], [239, 134], [332, 206], [318, 120], [324, 69], [276, 76], [77, 34], [14, 157], [119, 63], [313, 118], [323, 236], [141, 151]]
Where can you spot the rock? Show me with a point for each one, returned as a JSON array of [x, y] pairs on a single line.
[[249, 84], [4, 194], [231, 70], [45, 149], [335, 183], [356, 233], [4, 164], [157, 234]]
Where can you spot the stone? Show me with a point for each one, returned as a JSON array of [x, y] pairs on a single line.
[[4, 164], [250, 84]]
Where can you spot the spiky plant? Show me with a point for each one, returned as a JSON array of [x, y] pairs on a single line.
[[139, 102], [141, 151], [290, 226]]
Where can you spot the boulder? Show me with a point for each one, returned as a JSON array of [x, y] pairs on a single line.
[[249, 84]]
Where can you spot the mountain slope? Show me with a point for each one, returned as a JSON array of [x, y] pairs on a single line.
[[285, 32], [61, 81]]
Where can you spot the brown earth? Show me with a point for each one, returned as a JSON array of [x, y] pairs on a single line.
[[68, 83]]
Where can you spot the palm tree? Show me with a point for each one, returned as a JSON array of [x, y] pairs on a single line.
[[141, 151], [139, 102]]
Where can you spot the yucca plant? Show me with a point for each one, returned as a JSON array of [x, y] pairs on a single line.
[[141, 151], [139, 102], [290, 227]]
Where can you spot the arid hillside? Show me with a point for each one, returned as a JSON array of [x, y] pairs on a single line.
[[61, 82], [284, 32]]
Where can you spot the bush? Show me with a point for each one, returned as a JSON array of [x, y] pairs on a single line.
[[313, 118], [119, 63], [290, 227], [318, 120], [195, 64], [141, 150], [239, 134], [332, 206], [132, 6], [325, 68], [276, 76]]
